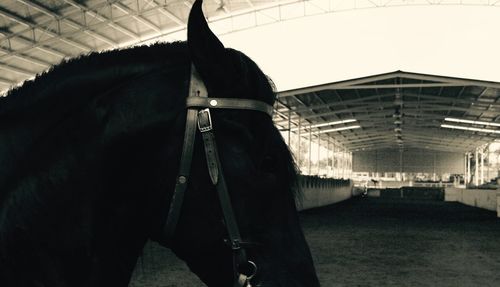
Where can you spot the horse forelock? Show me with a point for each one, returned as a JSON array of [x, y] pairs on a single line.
[[262, 88]]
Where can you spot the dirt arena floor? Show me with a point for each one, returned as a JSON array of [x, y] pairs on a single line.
[[377, 242]]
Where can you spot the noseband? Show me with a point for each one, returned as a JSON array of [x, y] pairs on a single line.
[[198, 116]]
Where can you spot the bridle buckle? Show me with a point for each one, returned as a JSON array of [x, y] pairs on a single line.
[[204, 120]]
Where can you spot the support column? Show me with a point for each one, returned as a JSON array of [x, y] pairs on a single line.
[[468, 168], [330, 169], [299, 142], [333, 158], [476, 168], [482, 168], [343, 163], [319, 152], [289, 126], [310, 147], [465, 169]]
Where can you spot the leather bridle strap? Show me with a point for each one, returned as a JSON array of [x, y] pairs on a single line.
[[198, 99], [217, 177], [196, 89], [233, 104]]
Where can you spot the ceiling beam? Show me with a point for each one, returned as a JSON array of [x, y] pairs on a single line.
[[103, 19], [6, 82], [137, 16], [46, 30], [69, 22], [30, 43], [17, 70], [27, 58], [169, 14]]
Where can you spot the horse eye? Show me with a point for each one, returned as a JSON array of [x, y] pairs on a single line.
[[238, 130]]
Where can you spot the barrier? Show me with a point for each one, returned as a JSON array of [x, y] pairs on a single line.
[[482, 198], [409, 192], [498, 204], [318, 192]]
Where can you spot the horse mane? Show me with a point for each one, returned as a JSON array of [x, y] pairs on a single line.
[[96, 67]]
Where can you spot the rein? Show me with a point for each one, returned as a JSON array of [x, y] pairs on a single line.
[[198, 116]]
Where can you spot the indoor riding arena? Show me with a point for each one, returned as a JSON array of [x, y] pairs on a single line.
[[390, 110], [378, 241]]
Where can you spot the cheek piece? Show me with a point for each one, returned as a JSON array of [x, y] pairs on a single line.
[[198, 117]]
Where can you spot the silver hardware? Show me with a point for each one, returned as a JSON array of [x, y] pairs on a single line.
[[181, 179], [254, 267], [213, 103], [204, 120], [235, 244], [243, 281]]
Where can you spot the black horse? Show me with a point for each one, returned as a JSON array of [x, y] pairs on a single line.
[[88, 159]]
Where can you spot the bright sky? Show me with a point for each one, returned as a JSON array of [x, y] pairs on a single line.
[[456, 41]]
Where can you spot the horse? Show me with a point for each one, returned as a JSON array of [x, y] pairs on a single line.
[[89, 155]]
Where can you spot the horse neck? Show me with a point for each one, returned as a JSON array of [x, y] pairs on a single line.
[[29, 112], [76, 213]]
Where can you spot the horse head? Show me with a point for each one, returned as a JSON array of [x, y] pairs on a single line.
[[89, 153], [260, 175]]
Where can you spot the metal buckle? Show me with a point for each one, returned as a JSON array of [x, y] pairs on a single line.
[[204, 120]]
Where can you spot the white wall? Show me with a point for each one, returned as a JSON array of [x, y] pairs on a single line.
[[481, 198], [413, 160], [321, 196]]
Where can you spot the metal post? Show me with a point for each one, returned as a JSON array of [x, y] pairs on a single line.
[[299, 142], [331, 157], [343, 163], [327, 156], [434, 166], [465, 169], [468, 168], [401, 164], [318, 153], [289, 126], [333, 160], [482, 166], [476, 169], [310, 147], [350, 165]]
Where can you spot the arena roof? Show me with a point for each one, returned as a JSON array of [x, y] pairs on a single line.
[[396, 110], [37, 34]]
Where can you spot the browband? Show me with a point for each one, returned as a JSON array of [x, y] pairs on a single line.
[[225, 103]]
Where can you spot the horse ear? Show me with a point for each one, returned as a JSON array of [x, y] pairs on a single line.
[[207, 53]]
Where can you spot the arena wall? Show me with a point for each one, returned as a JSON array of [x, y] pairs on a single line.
[[411, 160], [482, 198], [317, 192]]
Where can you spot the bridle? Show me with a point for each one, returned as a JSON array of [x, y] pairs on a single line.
[[198, 116]]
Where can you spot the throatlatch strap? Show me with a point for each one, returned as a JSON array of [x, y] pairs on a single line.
[[196, 89]]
